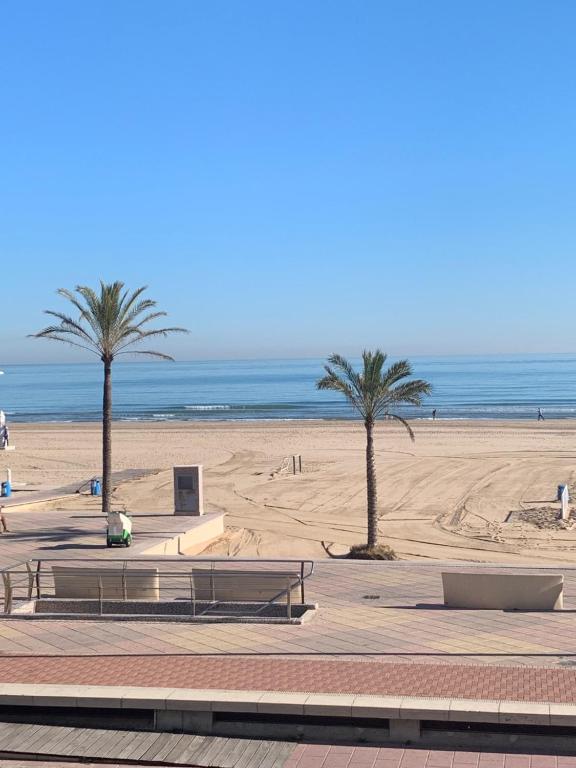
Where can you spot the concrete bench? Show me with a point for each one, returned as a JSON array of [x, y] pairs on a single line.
[[106, 583], [231, 586], [503, 591]]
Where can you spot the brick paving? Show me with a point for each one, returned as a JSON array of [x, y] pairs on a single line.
[[310, 675]]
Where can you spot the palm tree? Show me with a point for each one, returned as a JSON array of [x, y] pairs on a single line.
[[110, 323], [373, 393]]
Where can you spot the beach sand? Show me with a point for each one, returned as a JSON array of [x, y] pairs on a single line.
[[477, 491]]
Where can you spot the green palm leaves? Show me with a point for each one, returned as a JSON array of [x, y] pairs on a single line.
[[110, 323], [374, 391]]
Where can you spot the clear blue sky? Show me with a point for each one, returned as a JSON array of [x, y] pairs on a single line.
[[294, 177]]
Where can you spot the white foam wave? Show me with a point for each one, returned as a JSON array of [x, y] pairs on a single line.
[[207, 407]]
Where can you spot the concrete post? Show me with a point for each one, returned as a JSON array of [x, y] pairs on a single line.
[[404, 731], [188, 490]]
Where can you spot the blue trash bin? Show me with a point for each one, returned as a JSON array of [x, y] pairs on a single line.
[[6, 489], [95, 487]]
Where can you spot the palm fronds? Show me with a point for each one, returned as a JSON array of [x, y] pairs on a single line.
[[109, 323]]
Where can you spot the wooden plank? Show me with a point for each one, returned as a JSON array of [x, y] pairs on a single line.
[[278, 755], [189, 749], [10, 734], [109, 742], [139, 747], [185, 742], [262, 750], [143, 746], [28, 735], [246, 760], [173, 739], [53, 740], [217, 750], [81, 745], [199, 755], [234, 750], [154, 749]]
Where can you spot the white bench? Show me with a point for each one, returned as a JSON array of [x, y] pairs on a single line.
[[503, 591], [229, 586], [106, 583]]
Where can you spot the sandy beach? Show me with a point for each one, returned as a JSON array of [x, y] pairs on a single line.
[[477, 491]]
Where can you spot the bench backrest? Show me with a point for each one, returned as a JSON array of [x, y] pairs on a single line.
[[503, 591], [243, 586], [108, 583]]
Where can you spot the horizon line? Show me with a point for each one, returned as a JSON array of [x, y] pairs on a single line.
[[293, 358]]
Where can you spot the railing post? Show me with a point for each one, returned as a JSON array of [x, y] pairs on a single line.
[[302, 581], [124, 587], [192, 594], [100, 593], [7, 592], [38, 567], [30, 579], [289, 598]]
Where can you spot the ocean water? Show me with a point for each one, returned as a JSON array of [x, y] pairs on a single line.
[[493, 387]]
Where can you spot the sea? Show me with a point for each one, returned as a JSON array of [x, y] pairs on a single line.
[[464, 387]]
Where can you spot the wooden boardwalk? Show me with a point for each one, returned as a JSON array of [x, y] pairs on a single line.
[[18, 740]]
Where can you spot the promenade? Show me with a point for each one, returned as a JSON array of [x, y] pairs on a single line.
[[380, 611], [381, 631]]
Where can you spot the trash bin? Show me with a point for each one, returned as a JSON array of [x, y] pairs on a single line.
[[95, 487], [6, 489]]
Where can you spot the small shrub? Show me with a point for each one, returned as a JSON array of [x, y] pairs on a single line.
[[379, 552]]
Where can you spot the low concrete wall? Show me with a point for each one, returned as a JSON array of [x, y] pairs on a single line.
[[206, 529], [503, 591]]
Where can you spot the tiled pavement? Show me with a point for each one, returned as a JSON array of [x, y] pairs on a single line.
[[321, 756], [493, 683], [385, 611], [325, 756]]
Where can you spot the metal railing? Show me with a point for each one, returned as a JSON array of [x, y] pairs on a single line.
[[205, 583]]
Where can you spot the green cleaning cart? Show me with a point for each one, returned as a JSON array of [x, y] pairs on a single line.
[[119, 529]]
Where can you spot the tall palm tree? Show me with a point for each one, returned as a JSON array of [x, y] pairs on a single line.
[[373, 393], [110, 323]]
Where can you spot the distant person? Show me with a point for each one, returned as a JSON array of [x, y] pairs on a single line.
[[3, 526], [434, 414], [540, 415]]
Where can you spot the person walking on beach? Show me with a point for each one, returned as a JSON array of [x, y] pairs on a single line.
[[540, 416], [433, 414]]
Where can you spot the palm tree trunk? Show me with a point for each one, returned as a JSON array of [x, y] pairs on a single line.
[[107, 438], [371, 490]]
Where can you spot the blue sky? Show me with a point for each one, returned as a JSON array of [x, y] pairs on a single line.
[[294, 178]]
